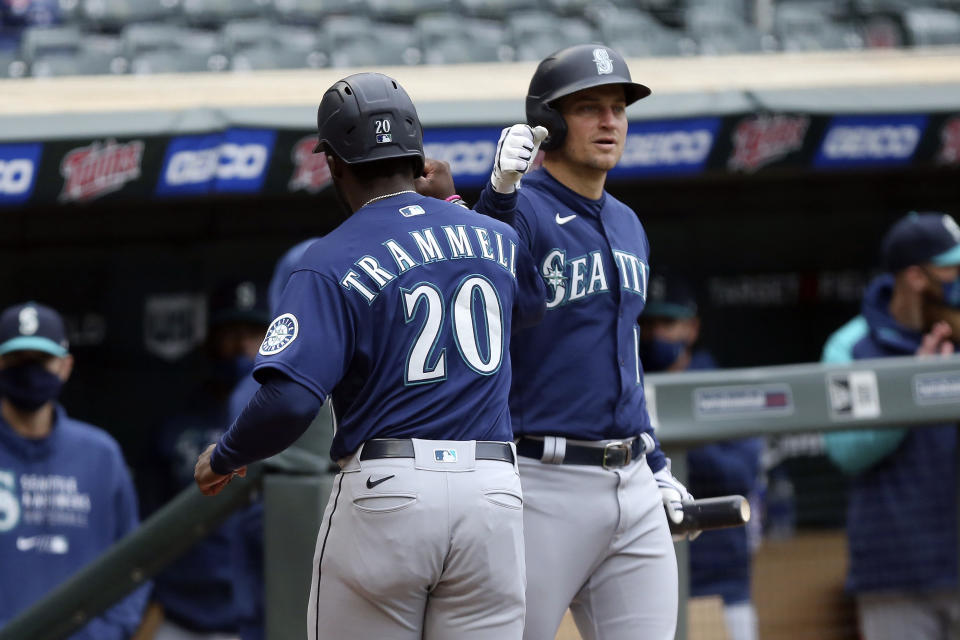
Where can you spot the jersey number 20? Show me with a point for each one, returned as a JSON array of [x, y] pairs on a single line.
[[418, 370]]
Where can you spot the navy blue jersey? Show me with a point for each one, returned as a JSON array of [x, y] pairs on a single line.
[[403, 315], [578, 374]]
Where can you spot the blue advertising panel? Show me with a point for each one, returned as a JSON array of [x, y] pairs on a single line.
[[234, 161]]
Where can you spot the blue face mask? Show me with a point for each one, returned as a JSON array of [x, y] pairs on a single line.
[[29, 386], [231, 370], [951, 294], [659, 355]]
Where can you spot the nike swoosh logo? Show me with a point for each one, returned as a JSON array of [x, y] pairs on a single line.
[[371, 485], [565, 219]]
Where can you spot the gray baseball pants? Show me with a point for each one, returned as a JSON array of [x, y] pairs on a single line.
[[597, 542], [433, 551]]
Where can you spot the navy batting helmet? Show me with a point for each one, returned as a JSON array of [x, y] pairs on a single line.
[[367, 117], [570, 70]]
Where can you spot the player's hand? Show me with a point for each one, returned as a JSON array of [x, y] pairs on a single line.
[[210, 482], [436, 181], [516, 151], [673, 494], [937, 342]]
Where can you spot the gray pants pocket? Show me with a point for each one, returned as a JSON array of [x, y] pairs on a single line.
[[384, 503]]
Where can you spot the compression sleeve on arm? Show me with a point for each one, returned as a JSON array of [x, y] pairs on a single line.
[[276, 416]]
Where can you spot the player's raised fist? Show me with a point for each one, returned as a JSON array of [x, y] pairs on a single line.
[[516, 150], [436, 181]]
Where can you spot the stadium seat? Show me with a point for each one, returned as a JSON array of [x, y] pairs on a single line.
[[568, 7], [453, 39], [216, 12], [168, 48], [70, 11], [405, 10], [240, 34], [8, 60], [81, 63], [739, 8], [928, 27], [312, 11], [537, 34], [635, 33], [720, 32], [299, 38], [806, 26], [498, 9], [176, 61], [116, 13], [263, 44], [357, 41], [273, 56], [43, 41], [150, 36]]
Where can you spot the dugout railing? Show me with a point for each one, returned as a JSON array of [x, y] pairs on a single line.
[[689, 409]]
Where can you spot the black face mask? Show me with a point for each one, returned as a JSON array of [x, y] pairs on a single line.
[[29, 386]]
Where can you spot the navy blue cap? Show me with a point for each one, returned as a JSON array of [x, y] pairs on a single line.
[[32, 327], [239, 301], [670, 296], [922, 238]]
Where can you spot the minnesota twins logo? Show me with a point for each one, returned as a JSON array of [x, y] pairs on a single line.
[[604, 63], [281, 333]]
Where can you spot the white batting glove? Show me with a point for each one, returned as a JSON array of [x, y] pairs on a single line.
[[516, 150], [673, 494]]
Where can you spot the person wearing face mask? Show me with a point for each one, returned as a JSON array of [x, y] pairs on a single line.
[[197, 592], [65, 492], [720, 560], [902, 509]]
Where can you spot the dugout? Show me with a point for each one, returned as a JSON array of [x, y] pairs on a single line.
[[769, 179]]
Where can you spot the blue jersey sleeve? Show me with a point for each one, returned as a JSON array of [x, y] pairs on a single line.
[[276, 416], [506, 208], [311, 340]]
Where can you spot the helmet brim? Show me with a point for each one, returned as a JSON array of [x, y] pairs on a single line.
[[633, 91]]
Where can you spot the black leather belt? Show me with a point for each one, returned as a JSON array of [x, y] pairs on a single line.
[[396, 448], [612, 455]]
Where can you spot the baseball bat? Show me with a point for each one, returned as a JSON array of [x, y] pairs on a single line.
[[712, 513]]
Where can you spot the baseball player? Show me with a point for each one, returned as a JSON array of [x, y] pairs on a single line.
[[403, 314], [594, 477], [902, 505]]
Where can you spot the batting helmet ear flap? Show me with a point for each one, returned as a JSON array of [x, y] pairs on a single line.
[[541, 113]]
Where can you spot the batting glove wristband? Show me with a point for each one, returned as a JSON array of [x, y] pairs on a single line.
[[516, 150]]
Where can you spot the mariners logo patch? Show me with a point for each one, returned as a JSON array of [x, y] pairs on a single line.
[[445, 455], [602, 59], [281, 333]]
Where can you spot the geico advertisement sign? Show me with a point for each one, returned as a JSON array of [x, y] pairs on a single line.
[[18, 170], [234, 161], [852, 141], [667, 147], [468, 151]]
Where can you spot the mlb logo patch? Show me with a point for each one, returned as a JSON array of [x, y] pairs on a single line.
[[412, 210], [384, 137], [445, 455]]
